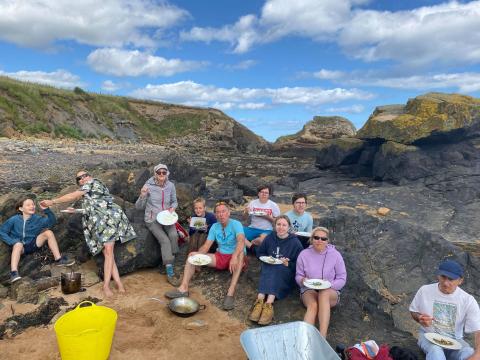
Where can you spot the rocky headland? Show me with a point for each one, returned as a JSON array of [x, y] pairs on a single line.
[[399, 195]]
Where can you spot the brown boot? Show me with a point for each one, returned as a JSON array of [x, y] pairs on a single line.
[[257, 310], [267, 314]]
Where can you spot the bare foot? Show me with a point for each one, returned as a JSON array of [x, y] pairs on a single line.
[[121, 289], [108, 293]]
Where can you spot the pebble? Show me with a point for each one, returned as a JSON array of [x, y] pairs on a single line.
[[196, 324]]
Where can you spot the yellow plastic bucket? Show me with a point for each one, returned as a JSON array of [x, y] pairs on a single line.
[[86, 333]]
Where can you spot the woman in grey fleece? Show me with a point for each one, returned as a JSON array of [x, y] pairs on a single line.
[[156, 195]]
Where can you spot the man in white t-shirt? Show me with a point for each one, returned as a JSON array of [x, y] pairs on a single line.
[[263, 212], [445, 309]]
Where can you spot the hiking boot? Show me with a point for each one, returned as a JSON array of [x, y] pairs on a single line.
[[267, 314], [257, 310], [14, 276], [64, 261]]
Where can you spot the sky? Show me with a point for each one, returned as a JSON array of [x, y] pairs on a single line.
[[271, 65]]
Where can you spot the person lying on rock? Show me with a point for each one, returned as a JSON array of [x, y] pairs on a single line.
[[302, 221], [320, 261], [159, 194], [444, 308], [262, 212], [27, 232], [104, 223], [230, 254], [198, 232], [276, 280]]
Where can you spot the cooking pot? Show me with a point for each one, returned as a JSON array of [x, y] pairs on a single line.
[[185, 306], [71, 282]]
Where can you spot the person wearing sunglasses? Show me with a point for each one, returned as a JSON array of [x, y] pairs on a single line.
[[320, 261], [26, 232], [104, 223], [444, 308], [159, 194], [276, 280]]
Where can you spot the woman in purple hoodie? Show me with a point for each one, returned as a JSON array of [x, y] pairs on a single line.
[[320, 261]]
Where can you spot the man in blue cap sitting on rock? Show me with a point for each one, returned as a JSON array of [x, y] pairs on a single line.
[[445, 310]]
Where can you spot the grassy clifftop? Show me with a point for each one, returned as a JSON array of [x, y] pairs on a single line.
[[40, 110]]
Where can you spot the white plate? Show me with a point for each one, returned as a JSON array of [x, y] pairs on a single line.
[[165, 217], [79, 211], [270, 260], [303, 233], [317, 284], [199, 259], [455, 345], [198, 222], [258, 213]]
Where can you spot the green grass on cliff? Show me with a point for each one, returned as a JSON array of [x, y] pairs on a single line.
[[31, 109]]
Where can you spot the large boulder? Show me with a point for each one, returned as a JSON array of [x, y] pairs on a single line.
[[338, 152], [421, 117], [318, 129]]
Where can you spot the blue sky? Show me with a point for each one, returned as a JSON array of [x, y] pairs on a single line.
[[272, 65]]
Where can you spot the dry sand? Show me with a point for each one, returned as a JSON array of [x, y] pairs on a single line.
[[146, 329]]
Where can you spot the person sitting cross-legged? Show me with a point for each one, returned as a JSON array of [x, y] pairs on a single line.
[[230, 254]]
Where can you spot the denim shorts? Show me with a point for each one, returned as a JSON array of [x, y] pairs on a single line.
[[31, 247]]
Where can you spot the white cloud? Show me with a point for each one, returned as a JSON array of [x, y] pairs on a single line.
[[242, 65], [191, 93], [59, 78], [328, 74], [438, 34], [121, 62], [110, 86], [465, 82], [107, 23], [354, 109], [442, 33]]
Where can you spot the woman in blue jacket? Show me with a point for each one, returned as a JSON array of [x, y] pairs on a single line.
[[27, 232]]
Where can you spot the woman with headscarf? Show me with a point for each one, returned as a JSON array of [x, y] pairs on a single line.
[[158, 194], [104, 223]]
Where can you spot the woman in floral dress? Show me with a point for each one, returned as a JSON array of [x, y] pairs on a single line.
[[104, 223]]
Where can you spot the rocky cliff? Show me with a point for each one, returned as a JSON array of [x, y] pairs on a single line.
[[32, 109]]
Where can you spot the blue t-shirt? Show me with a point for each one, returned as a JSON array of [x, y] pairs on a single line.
[[226, 238], [300, 222]]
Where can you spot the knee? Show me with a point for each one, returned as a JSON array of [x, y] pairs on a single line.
[[17, 246], [49, 235], [312, 307], [108, 250]]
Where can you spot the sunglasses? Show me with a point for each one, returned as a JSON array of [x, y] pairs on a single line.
[[83, 176], [323, 238], [161, 172]]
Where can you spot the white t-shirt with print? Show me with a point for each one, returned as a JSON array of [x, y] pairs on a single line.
[[452, 313], [269, 208]]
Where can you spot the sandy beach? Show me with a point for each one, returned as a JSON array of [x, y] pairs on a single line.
[[146, 329]]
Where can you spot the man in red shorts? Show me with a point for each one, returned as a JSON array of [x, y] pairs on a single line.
[[230, 254]]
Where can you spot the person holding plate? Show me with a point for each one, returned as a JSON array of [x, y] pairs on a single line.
[[302, 220], [200, 223], [322, 262], [263, 212], [276, 280], [444, 312], [104, 223], [159, 194], [230, 254]]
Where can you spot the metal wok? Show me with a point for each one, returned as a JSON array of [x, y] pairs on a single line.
[[185, 306]]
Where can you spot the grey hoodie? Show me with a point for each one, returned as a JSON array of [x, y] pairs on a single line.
[[159, 198]]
